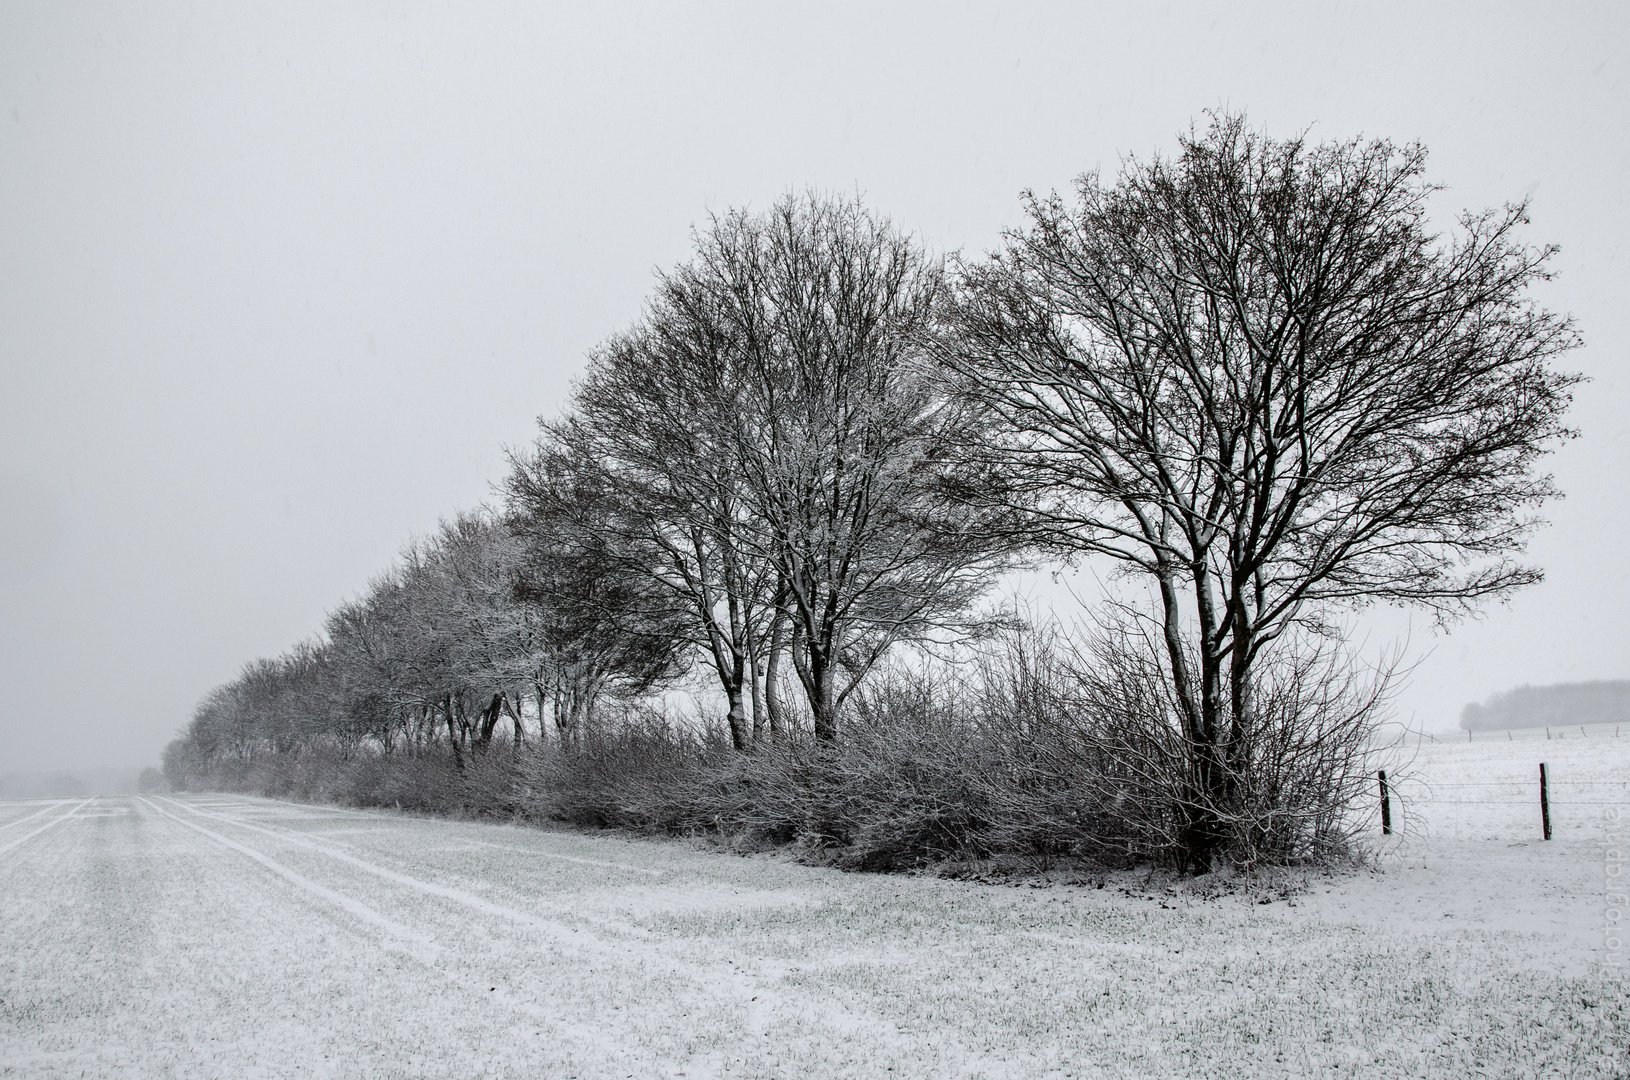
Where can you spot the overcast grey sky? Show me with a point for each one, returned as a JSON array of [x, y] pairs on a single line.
[[279, 282]]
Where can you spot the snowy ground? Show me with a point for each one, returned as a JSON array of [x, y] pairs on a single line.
[[218, 936]]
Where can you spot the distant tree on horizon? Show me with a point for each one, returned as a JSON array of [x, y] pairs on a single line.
[[1602, 701]]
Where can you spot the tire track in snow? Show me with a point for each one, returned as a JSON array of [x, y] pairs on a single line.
[[758, 995], [426, 943], [350, 904], [548, 928], [281, 810], [285, 810], [319, 811], [567, 858], [46, 809], [49, 824]]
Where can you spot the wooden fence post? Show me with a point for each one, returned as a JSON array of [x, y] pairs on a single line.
[[1544, 802], [1386, 807]]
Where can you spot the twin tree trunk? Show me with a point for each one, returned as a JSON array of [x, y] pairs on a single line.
[[767, 705], [814, 665], [1216, 726], [735, 650], [739, 666]]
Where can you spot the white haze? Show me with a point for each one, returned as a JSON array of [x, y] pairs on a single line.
[[279, 282]]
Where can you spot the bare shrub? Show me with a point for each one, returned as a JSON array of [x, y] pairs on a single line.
[[1048, 746], [1098, 763], [894, 792], [1059, 747], [630, 772], [1300, 793], [429, 782], [485, 786], [901, 788], [1062, 785]]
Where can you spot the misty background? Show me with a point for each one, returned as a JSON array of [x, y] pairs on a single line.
[[279, 283]]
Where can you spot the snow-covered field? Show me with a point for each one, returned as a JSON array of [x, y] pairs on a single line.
[[217, 936], [1487, 787]]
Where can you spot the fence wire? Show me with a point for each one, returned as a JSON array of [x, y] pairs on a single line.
[[1487, 784]]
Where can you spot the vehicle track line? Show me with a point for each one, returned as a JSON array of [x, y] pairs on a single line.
[[546, 927], [757, 990], [353, 906], [46, 809], [373, 816], [588, 941], [54, 821], [590, 1036]]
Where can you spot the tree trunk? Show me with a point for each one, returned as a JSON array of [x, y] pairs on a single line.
[[489, 721], [821, 703], [1182, 679], [740, 732], [513, 704], [545, 710], [803, 662], [754, 674], [561, 705], [1205, 825], [1241, 695], [772, 674], [452, 733]]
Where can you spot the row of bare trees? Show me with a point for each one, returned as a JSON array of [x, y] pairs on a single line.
[[765, 446], [446, 650], [1250, 376], [746, 487]]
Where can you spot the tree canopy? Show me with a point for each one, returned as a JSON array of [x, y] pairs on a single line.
[[1254, 375]]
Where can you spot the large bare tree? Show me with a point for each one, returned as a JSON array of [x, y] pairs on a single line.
[[836, 424], [644, 439], [769, 434], [1254, 374]]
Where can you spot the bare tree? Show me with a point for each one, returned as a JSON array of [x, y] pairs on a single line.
[[668, 501], [491, 644], [432, 647], [597, 622], [1255, 376], [837, 425], [366, 637], [768, 436]]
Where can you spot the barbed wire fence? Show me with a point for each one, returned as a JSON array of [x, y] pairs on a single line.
[[1539, 783]]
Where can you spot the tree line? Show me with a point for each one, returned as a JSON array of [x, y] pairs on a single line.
[[1559, 706], [1250, 377]]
